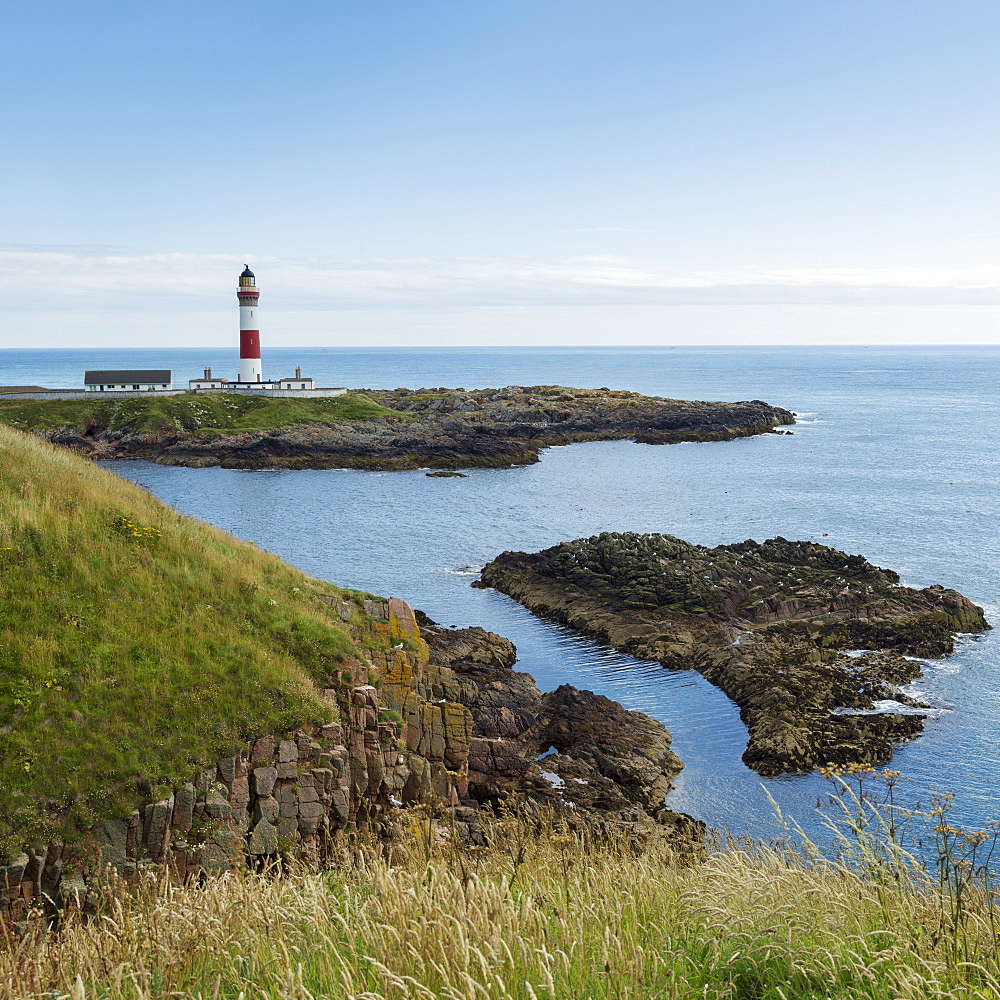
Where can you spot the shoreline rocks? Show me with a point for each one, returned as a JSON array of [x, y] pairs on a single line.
[[568, 748], [767, 623], [441, 429]]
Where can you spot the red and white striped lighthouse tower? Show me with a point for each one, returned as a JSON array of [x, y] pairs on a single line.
[[247, 293]]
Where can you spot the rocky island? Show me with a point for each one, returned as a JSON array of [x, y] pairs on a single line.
[[379, 429], [811, 643]]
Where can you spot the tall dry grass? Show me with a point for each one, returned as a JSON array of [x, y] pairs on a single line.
[[550, 916]]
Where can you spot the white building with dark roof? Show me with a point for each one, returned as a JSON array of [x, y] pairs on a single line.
[[129, 380], [298, 381]]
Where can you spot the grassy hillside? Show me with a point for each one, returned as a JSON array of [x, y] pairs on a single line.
[[133, 641], [227, 412]]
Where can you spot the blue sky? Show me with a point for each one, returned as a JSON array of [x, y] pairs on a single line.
[[499, 171]]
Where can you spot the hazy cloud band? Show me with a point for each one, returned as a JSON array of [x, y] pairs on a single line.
[[88, 278]]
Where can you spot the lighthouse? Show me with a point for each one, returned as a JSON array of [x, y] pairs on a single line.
[[251, 377], [247, 293]]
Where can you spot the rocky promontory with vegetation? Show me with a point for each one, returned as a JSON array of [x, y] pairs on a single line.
[[174, 699], [380, 429], [810, 642]]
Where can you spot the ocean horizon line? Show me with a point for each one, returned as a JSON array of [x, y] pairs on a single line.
[[527, 348]]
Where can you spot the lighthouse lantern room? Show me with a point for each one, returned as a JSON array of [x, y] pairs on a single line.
[[248, 295]]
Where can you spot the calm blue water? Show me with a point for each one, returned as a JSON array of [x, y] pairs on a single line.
[[895, 456]]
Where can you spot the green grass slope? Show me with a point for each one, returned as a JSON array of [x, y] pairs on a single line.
[[219, 412], [134, 642]]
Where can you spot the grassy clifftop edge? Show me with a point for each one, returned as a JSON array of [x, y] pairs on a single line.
[[219, 412], [135, 641]]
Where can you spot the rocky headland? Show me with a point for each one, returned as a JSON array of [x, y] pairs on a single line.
[[399, 429], [173, 699], [805, 639], [425, 716]]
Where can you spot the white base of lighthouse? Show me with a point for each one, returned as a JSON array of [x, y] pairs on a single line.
[[251, 370]]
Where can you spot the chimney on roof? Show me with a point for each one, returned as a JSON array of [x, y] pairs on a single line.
[[298, 371], [208, 373]]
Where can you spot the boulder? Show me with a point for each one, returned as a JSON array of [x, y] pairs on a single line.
[[263, 839], [263, 779]]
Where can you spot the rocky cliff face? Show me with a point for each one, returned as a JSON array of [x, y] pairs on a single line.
[[430, 716], [767, 623], [442, 428], [567, 747]]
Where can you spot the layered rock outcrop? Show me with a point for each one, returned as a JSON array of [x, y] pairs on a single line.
[[441, 428], [566, 747], [430, 716], [804, 638]]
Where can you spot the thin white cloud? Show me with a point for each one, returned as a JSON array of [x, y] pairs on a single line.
[[76, 278]]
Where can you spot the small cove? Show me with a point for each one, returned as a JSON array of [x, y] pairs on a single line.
[[894, 458]]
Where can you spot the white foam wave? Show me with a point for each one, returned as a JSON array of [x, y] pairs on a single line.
[[886, 706]]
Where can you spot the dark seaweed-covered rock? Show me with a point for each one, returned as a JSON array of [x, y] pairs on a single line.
[[765, 622]]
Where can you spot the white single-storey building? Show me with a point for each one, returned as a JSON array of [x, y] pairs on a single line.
[[129, 379], [298, 381]]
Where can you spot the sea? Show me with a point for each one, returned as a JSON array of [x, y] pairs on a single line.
[[894, 456]]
